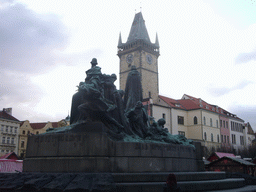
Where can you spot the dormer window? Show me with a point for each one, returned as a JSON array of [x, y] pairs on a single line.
[[206, 107]]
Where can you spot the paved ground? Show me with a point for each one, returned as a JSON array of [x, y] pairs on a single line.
[[248, 188]]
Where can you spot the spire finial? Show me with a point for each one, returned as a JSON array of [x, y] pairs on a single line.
[[140, 7]]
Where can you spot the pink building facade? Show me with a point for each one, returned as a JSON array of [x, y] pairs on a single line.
[[225, 133]]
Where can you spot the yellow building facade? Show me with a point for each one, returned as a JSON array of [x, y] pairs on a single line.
[[27, 129]]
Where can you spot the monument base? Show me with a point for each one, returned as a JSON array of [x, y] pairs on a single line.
[[91, 150]]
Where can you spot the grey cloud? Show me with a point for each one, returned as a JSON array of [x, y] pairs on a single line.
[[219, 91], [245, 57], [247, 113], [28, 46], [7, 2], [29, 40], [15, 87]]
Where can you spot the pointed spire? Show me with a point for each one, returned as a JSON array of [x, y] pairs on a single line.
[[138, 29], [157, 42], [120, 41]]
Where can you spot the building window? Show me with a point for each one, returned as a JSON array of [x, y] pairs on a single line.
[[6, 129], [28, 132], [12, 142], [218, 138], [7, 151], [217, 124], [211, 122], [227, 139], [8, 140], [15, 130], [211, 137], [22, 144], [221, 138], [163, 115], [204, 121], [37, 132], [220, 123], [11, 129], [233, 139], [2, 128], [23, 132], [242, 140], [180, 120], [3, 140], [195, 120], [226, 124], [205, 136], [181, 133]]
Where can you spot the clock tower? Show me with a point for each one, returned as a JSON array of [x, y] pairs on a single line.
[[139, 51]]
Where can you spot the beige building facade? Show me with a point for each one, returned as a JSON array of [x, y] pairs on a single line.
[[9, 128], [27, 129]]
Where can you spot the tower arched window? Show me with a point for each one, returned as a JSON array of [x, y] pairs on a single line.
[[195, 120], [205, 136], [204, 121], [211, 122]]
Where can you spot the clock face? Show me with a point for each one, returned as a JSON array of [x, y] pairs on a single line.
[[149, 59], [129, 58]]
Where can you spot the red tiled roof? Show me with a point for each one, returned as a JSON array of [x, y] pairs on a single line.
[[203, 105], [54, 124], [38, 125], [188, 104], [11, 155], [196, 103], [5, 115], [172, 102]]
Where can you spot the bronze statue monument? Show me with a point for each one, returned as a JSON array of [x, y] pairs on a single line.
[[122, 112]]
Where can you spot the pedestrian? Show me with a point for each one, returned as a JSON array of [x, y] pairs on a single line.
[[171, 184]]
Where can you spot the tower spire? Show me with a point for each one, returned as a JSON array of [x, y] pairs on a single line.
[[138, 29], [120, 41], [157, 42]]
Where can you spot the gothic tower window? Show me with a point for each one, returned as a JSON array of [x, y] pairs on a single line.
[[195, 120]]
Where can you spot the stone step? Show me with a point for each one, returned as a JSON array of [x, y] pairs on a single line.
[[212, 184], [206, 185], [161, 177], [248, 188]]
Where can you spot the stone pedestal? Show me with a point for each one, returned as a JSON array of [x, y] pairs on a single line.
[[87, 148]]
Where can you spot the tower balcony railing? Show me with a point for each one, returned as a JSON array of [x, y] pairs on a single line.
[[136, 44]]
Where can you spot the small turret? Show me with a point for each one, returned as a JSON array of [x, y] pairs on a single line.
[[119, 41], [157, 42]]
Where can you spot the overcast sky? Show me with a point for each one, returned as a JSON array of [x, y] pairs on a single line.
[[207, 50]]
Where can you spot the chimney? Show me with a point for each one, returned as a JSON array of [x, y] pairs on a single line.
[[8, 110]]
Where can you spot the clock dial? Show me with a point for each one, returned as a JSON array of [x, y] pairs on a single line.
[[149, 59], [129, 58]]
